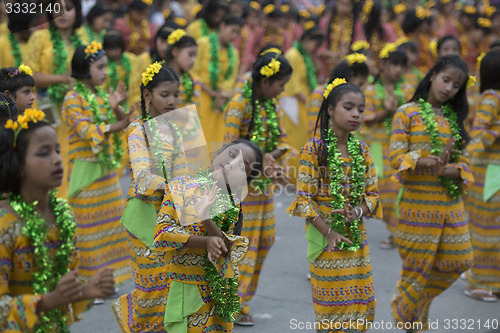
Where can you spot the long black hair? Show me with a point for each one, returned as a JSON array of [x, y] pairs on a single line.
[[490, 71], [80, 64], [323, 122], [166, 73], [346, 71], [185, 41], [459, 102], [12, 81], [13, 156], [284, 71], [374, 22]]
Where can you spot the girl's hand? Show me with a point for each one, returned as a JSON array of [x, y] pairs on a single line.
[[348, 211], [219, 102], [101, 285], [216, 247], [333, 238], [448, 150], [391, 104], [118, 96], [203, 205], [68, 290]]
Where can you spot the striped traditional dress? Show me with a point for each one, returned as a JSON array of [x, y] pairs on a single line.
[[98, 205], [433, 234], [314, 101], [258, 208], [341, 281], [485, 215]]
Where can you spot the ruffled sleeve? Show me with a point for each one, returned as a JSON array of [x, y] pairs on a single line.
[[17, 313], [77, 308], [79, 117], [145, 182], [371, 194], [307, 184], [462, 164], [228, 266], [402, 159]]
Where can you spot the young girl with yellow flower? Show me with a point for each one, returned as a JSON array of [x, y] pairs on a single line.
[[95, 120], [18, 84], [337, 187], [208, 19], [256, 115], [216, 66], [13, 41], [40, 290], [427, 138]]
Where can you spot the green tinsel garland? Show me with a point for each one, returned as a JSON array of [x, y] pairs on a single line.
[[48, 270], [312, 80], [58, 91], [187, 85], [267, 142], [214, 65], [111, 163], [381, 96], [16, 50], [453, 188], [204, 29], [91, 34], [335, 164], [113, 74], [223, 291]]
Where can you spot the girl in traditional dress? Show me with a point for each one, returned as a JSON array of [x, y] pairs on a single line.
[[272, 31], [253, 17], [448, 44], [383, 98], [18, 84], [209, 19], [412, 75], [483, 278], [181, 56], [337, 187], [432, 235], [13, 43], [216, 67], [353, 69], [255, 115], [417, 28], [95, 120], [48, 53], [98, 21], [201, 250], [136, 28], [40, 289], [142, 310]]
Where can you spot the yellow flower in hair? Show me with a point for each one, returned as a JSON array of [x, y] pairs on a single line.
[[433, 46], [166, 13], [399, 8], [355, 58], [401, 41], [93, 48], [271, 68], [484, 22], [489, 11], [444, 2], [479, 59], [25, 69], [150, 73], [309, 25], [360, 45], [180, 21], [10, 124], [255, 5], [367, 9], [429, 4], [335, 83], [285, 8], [34, 115], [320, 9], [270, 50], [471, 10], [268, 9], [420, 13], [471, 82], [148, 2], [387, 50], [175, 36], [196, 9], [304, 13]]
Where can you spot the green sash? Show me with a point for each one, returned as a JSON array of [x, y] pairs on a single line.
[[316, 243], [491, 181], [139, 218], [84, 174], [183, 299], [378, 158]]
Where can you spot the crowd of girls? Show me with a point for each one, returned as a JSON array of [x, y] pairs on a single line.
[[390, 122]]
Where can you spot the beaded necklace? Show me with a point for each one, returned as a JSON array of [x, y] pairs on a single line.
[[110, 161], [350, 230], [48, 270]]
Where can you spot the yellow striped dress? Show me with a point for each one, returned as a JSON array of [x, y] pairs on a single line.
[[97, 200], [433, 234], [18, 304], [341, 281], [142, 310], [375, 136], [485, 215], [314, 102], [184, 266], [258, 208]]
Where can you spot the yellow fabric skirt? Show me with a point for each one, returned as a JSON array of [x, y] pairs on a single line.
[[102, 240], [485, 233], [297, 137], [211, 121]]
